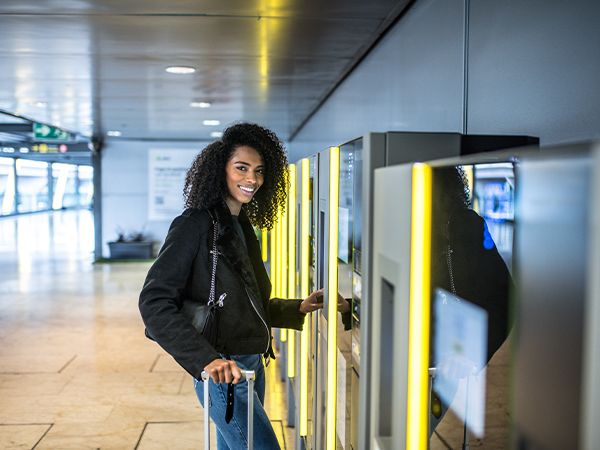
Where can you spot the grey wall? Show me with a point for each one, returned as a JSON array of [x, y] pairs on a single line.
[[532, 69], [125, 188]]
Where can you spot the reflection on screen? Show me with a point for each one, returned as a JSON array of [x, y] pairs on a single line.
[[460, 355], [493, 189]]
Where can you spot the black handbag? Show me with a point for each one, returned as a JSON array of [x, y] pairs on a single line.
[[205, 317]]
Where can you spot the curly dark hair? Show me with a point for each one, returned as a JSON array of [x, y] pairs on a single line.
[[451, 187], [205, 182]]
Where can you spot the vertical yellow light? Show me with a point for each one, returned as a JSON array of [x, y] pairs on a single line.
[[332, 292], [284, 254], [418, 339], [272, 258], [304, 288], [278, 256], [264, 246], [283, 263], [291, 258]]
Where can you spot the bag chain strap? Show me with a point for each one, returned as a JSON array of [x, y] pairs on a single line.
[[449, 252], [213, 278], [450, 271]]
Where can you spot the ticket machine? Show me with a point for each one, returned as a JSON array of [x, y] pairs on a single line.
[[344, 236], [441, 303]]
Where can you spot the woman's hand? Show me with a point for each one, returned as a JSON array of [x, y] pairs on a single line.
[[313, 302], [343, 304], [223, 371]]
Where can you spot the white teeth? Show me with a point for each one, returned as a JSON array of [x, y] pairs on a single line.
[[246, 189]]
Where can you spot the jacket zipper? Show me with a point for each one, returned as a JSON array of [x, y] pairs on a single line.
[[261, 319]]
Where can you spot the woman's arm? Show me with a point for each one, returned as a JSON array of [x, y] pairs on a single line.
[[290, 313], [160, 298]]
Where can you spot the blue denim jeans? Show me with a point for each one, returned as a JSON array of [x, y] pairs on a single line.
[[234, 435]]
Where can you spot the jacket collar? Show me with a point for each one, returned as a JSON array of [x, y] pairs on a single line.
[[247, 264]]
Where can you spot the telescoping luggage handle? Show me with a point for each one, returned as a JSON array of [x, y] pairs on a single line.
[[250, 376]]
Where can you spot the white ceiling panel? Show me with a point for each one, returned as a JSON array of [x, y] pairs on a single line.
[[93, 66]]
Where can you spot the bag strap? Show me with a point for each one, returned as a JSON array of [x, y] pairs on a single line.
[[449, 263], [215, 255]]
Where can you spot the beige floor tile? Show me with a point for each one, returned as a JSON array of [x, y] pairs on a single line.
[[110, 386], [21, 437], [165, 363], [27, 362], [32, 385], [159, 408], [106, 435], [52, 408], [180, 435]]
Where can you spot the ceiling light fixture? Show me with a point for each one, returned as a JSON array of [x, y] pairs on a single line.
[[200, 104], [216, 134], [41, 104], [114, 133], [180, 70], [211, 123]]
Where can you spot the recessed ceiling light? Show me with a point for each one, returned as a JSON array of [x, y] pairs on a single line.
[[200, 104], [216, 134], [180, 70], [114, 133], [211, 123], [41, 104]]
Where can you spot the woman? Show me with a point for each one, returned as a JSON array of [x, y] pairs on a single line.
[[235, 183]]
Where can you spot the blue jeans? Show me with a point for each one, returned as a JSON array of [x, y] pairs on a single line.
[[234, 435]]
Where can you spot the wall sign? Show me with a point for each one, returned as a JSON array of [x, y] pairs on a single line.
[[166, 177]]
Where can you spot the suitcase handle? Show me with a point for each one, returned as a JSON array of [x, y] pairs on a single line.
[[248, 375]]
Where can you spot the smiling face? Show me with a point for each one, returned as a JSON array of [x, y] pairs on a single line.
[[244, 175]]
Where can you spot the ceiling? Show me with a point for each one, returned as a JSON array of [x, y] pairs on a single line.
[[94, 66]]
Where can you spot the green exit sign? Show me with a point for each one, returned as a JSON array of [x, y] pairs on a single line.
[[42, 131]]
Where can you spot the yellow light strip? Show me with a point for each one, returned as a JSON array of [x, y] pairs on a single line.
[[332, 291], [304, 288], [272, 264], [278, 256], [283, 261], [418, 340], [291, 217], [264, 246]]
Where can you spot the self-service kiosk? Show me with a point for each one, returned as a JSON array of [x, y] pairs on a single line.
[[440, 307], [343, 225]]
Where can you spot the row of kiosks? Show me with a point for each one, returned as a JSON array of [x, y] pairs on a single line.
[[323, 240], [473, 344]]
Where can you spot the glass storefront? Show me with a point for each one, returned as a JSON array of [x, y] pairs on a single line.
[[65, 186], [86, 186], [7, 186], [30, 186]]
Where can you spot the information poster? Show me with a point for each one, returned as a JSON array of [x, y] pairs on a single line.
[[166, 177]]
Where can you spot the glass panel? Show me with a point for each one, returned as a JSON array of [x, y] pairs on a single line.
[[32, 186], [470, 285], [86, 186], [7, 186], [312, 283], [64, 182], [344, 337]]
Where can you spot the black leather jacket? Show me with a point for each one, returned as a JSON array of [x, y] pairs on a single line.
[[182, 272]]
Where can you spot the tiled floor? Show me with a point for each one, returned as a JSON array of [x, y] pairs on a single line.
[[76, 371]]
